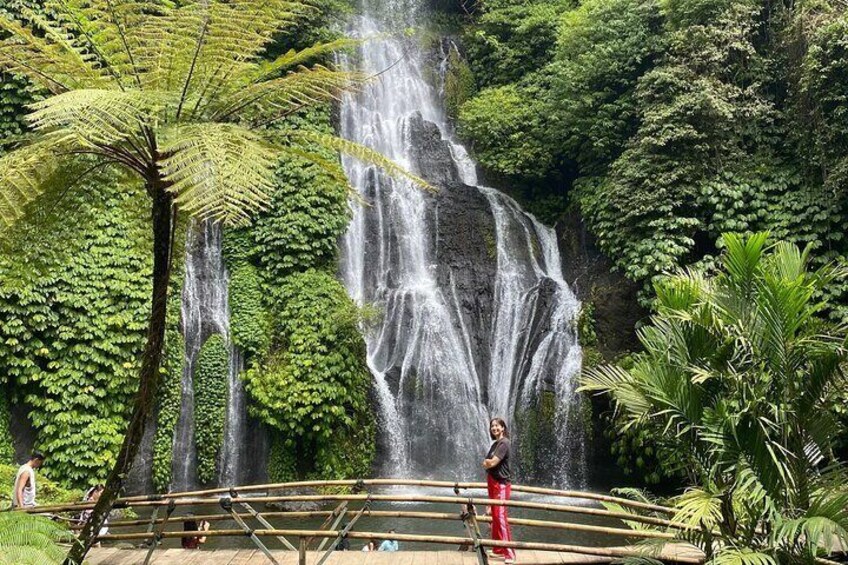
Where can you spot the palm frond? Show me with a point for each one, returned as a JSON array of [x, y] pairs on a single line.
[[221, 172], [698, 508], [742, 556]]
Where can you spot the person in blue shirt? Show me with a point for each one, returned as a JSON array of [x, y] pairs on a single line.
[[389, 544]]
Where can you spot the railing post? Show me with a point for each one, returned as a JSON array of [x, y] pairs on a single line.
[[157, 537], [334, 519], [469, 518], [343, 533], [301, 553], [261, 519]]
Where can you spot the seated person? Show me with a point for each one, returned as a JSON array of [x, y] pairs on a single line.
[[389, 544], [194, 542]]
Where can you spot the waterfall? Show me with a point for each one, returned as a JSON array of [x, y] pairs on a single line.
[[205, 311], [476, 318]]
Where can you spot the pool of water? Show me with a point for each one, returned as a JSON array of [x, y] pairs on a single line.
[[403, 525]]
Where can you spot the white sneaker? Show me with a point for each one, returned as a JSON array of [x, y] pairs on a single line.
[[509, 561]]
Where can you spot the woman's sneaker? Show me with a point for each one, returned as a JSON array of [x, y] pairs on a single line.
[[509, 561]]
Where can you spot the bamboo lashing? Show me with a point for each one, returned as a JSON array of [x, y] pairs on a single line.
[[613, 552]]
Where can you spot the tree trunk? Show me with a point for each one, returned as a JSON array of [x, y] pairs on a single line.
[[148, 377]]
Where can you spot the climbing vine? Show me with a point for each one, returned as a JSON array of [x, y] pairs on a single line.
[[210, 404], [72, 323], [7, 451], [306, 372], [170, 401]]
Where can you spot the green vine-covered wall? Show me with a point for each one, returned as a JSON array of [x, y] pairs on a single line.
[[210, 404], [74, 301], [305, 359], [168, 408]]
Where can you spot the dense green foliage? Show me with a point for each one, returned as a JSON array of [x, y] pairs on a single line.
[[26, 539], [168, 409], [7, 450], [210, 404], [667, 123], [72, 325], [738, 377], [305, 358]]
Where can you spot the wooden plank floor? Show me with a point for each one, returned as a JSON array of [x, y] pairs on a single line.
[[112, 556]]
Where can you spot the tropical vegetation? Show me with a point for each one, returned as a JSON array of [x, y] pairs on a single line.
[[738, 378], [665, 123], [177, 98], [26, 539]]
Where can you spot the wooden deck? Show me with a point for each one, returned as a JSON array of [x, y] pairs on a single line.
[[114, 556]]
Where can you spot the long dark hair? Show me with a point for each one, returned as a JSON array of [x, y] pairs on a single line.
[[503, 425]]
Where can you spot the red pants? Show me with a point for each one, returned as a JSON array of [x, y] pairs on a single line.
[[500, 524]]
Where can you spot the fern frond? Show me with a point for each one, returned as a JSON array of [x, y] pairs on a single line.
[[27, 172], [47, 61], [25, 538], [98, 117], [108, 30], [359, 152], [294, 58], [221, 172], [306, 87]]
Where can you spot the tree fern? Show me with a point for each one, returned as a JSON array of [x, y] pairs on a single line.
[[181, 96], [27, 539]]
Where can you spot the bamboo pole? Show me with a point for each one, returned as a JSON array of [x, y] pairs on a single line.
[[641, 534], [614, 552], [395, 498], [406, 482]]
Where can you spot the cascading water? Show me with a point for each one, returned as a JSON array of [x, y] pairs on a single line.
[[205, 311], [477, 320]]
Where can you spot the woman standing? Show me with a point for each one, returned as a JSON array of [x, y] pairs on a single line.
[[498, 479]]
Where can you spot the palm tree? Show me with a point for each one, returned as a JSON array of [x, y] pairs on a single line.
[[738, 374], [180, 96]]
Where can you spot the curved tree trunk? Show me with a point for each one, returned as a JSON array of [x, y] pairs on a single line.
[[148, 377]]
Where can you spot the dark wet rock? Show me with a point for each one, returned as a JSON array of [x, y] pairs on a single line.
[[613, 297], [432, 155]]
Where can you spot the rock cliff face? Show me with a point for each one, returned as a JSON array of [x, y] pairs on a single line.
[[464, 245]]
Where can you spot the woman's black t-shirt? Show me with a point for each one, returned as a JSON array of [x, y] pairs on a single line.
[[500, 472]]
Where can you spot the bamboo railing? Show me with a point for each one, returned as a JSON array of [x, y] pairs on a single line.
[[584, 510], [611, 552], [229, 498]]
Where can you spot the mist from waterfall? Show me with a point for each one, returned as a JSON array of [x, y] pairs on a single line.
[[439, 377]]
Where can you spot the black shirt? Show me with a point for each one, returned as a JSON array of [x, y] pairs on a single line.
[[500, 449]]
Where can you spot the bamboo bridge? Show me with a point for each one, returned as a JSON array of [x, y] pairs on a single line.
[[149, 539]]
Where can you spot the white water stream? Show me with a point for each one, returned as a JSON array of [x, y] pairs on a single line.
[[439, 372]]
